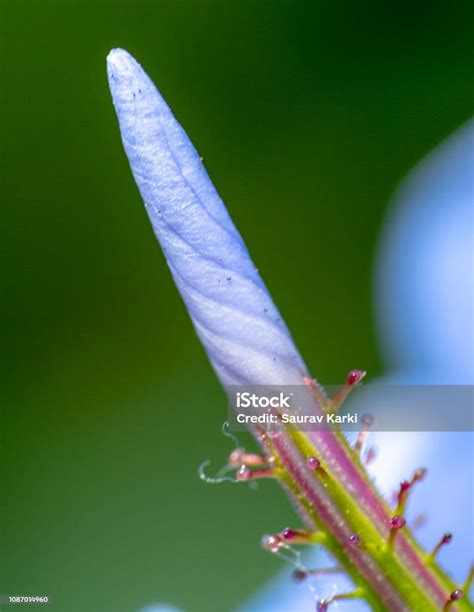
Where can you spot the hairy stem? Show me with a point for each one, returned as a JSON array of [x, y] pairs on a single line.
[[390, 569]]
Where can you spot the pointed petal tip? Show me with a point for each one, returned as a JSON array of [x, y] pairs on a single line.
[[120, 64], [126, 77], [119, 58]]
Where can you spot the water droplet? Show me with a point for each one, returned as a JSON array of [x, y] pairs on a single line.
[[243, 473]]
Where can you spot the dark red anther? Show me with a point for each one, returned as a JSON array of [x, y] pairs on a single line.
[[402, 496], [288, 534], [444, 540], [447, 537], [404, 486], [397, 522], [354, 540], [355, 376], [322, 606], [299, 575], [456, 595]]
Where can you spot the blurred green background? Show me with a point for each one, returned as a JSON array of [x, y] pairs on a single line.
[[307, 115]]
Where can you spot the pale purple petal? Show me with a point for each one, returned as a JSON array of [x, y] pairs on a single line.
[[244, 335]]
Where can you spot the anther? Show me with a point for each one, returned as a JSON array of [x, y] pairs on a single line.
[[446, 539], [397, 522], [402, 496], [454, 596], [295, 536], [299, 575], [405, 487], [355, 376], [288, 534]]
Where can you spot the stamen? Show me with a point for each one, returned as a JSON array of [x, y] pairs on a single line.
[[296, 536], [396, 523], [244, 473], [317, 391], [275, 544], [323, 605], [405, 487], [402, 497], [353, 378], [467, 585], [446, 539], [455, 596], [370, 456], [299, 574], [367, 422], [418, 475]]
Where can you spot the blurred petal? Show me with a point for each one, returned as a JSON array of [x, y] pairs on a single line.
[[425, 275], [159, 607], [231, 309]]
